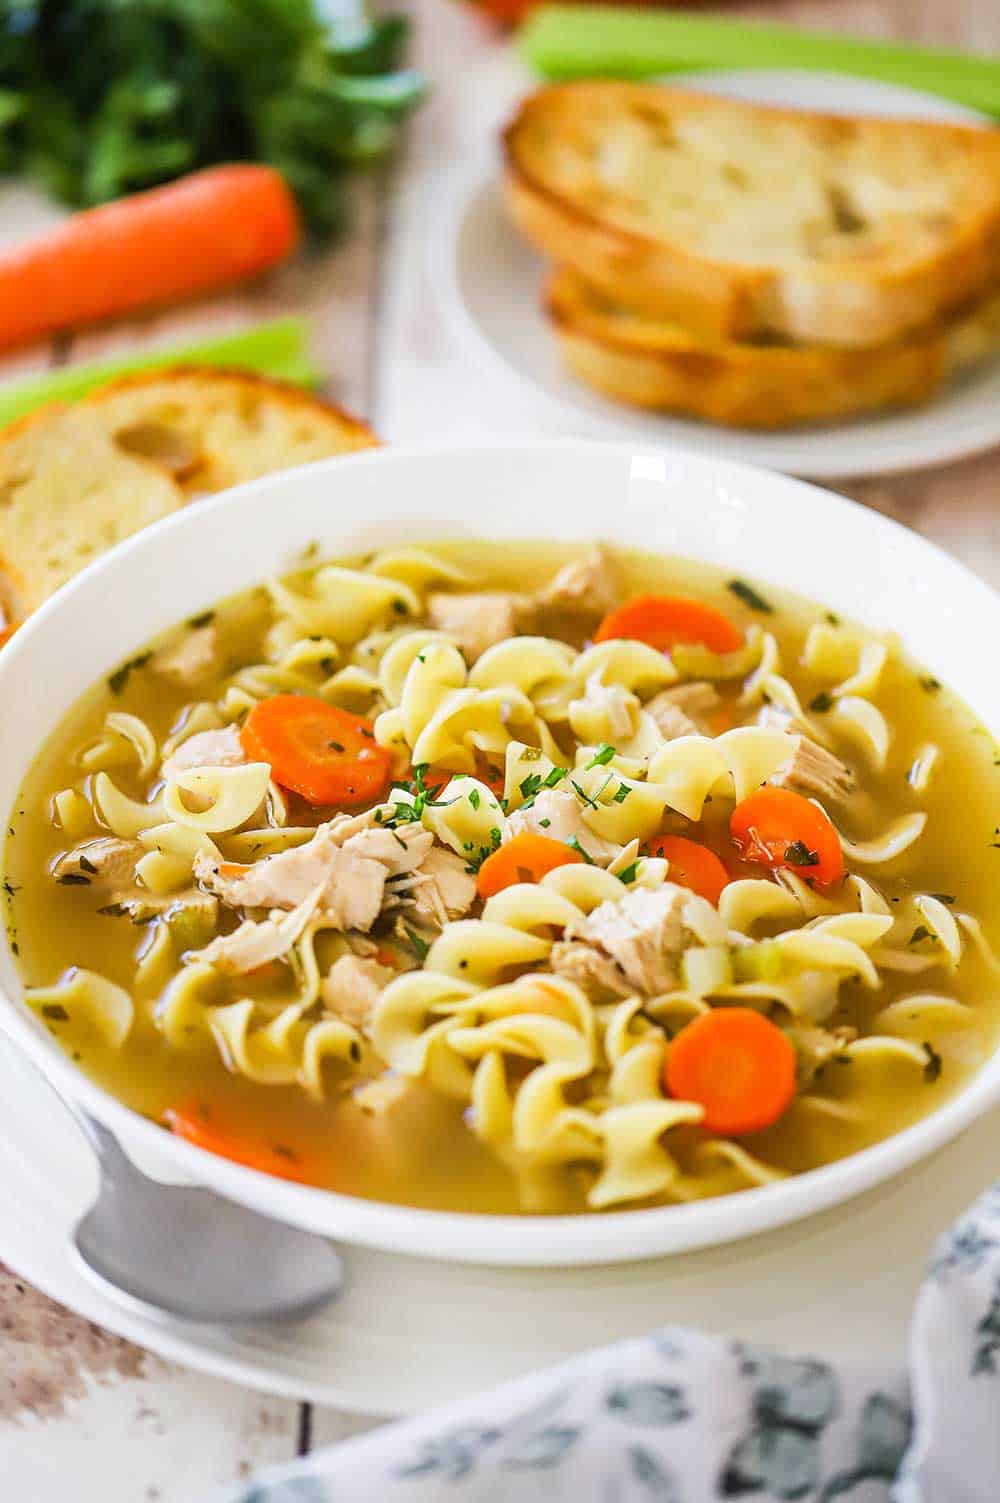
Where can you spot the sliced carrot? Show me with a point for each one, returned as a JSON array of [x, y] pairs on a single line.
[[195, 1122], [526, 858], [777, 827], [693, 866], [202, 231], [735, 1064], [662, 621], [326, 754]]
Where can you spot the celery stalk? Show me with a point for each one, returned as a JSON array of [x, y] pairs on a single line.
[[278, 348], [580, 41]]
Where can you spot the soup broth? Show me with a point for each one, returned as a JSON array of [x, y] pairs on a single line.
[[457, 1044]]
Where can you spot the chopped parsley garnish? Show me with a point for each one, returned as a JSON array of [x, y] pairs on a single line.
[[621, 793], [55, 1012], [601, 757], [944, 897], [545, 823], [88, 866], [417, 943], [337, 746], [929, 683], [628, 873], [530, 785], [552, 779], [423, 798], [934, 1065], [474, 798], [799, 854], [831, 618], [111, 910], [749, 596], [574, 844], [73, 879], [118, 679], [205, 619], [821, 702], [399, 606], [476, 860], [920, 933], [582, 793]]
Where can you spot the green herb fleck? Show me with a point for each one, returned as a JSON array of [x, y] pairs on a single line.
[[530, 785], [831, 618], [601, 757], [474, 798], [545, 823], [120, 677], [55, 1012], [555, 776], [749, 596], [337, 746], [574, 844], [628, 873], [920, 933], [417, 943], [929, 683], [821, 702], [205, 619], [934, 1065], [621, 793], [944, 897], [799, 854], [73, 879]]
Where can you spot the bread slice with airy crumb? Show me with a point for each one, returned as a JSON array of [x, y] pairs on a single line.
[[656, 364], [741, 221], [76, 480]]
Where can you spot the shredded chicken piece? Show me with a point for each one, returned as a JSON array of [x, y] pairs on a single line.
[[647, 931], [616, 706], [253, 945], [585, 584], [597, 974], [681, 711], [815, 772], [352, 986], [105, 864], [442, 889], [222, 748], [191, 658], [558, 814], [347, 862], [478, 620]]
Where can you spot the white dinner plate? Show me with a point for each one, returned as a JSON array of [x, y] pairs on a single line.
[[488, 282], [410, 1333]]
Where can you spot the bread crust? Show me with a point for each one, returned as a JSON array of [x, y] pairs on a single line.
[[854, 301], [660, 366]]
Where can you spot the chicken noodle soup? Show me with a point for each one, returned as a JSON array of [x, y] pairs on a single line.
[[633, 883]]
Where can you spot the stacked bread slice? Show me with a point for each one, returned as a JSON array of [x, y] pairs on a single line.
[[755, 266]]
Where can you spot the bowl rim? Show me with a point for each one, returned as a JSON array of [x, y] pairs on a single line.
[[535, 1240]]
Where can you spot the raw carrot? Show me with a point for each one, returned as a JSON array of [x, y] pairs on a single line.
[[195, 1122], [326, 754], [693, 866], [780, 828], [202, 231], [737, 1065], [526, 858], [662, 621]]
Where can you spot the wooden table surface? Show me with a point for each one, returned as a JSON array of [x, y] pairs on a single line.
[[84, 1415]]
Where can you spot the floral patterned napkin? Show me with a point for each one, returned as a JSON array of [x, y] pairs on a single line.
[[678, 1417]]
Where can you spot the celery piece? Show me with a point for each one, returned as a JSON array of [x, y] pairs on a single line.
[[705, 971], [278, 348], [574, 41], [759, 962]]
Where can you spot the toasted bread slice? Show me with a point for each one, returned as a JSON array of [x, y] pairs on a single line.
[[653, 363], [741, 221], [74, 481]]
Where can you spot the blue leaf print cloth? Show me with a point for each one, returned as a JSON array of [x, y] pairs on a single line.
[[679, 1417]]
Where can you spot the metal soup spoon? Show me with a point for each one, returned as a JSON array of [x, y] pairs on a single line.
[[191, 1253]]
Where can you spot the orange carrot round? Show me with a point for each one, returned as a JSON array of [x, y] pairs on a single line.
[[693, 866], [663, 621], [196, 1123], [780, 828], [326, 754], [736, 1065], [526, 858], [203, 231]]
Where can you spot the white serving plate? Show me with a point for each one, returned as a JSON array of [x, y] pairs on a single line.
[[488, 282], [410, 1333], [770, 528]]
